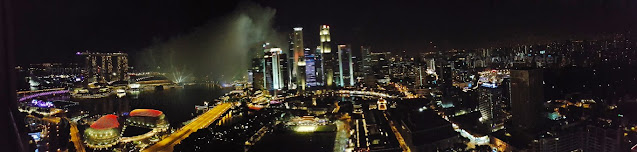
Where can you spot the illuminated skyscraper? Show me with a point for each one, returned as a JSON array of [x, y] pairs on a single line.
[[345, 66], [490, 105], [318, 60], [284, 66], [310, 68], [105, 71], [327, 58], [298, 67], [272, 69], [365, 66]]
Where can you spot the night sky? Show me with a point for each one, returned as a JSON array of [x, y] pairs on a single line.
[[49, 31]]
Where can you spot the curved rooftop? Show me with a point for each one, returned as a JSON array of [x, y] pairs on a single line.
[[146, 113], [106, 122]]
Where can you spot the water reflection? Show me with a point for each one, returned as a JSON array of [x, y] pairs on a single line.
[[177, 103]]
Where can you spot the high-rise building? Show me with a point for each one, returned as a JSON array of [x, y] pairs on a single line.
[[318, 60], [421, 75], [527, 97], [310, 68], [272, 69], [365, 67], [490, 105], [105, 71], [256, 74], [298, 65], [285, 71], [380, 66], [579, 137], [327, 57], [345, 66]]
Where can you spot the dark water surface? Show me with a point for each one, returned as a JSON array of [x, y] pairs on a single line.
[[178, 104]]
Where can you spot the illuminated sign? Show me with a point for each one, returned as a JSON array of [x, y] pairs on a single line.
[[41, 104]]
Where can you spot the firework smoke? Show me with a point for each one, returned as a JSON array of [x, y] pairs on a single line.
[[220, 49]]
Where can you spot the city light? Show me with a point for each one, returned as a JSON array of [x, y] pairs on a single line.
[[305, 128], [43, 104], [243, 78]]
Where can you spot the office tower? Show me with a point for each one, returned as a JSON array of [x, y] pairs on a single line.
[[345, 66], [318, 60], [357, 65], [256, 74], [327, 57], [490, 105], [272, 69], [431, 64], [310, 68], [527, 97], [298, 65], [380, 66], [421, 75], [285, 71], [368, 76], [366, 59]]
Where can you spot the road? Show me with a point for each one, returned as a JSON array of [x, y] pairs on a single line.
[[75, 137], [399, 137], [341, 139], [202, 121], [75, 133], [404, 90]]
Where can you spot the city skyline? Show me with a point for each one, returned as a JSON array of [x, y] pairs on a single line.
[[455, 27], [341, 76]]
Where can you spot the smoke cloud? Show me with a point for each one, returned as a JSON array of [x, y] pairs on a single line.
[[221, 49]]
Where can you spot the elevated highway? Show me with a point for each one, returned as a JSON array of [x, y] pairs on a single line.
[[202, 121]]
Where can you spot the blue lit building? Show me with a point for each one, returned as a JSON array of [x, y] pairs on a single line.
[[310, 68]]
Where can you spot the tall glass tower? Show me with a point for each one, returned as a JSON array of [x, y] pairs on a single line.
[[298, 69], [327, 59], [345, 66]]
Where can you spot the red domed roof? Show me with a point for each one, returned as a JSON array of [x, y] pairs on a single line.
[[146, 113], [106, 122]]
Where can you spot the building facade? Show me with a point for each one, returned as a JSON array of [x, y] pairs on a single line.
[[527, 97], [345, 66], [105, 67], [326, 71], [298, 58]]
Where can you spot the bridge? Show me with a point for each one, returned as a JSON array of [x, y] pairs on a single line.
[[34, 94], [202, 121]]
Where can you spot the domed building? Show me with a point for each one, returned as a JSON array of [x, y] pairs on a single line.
[[103, 133], [146, 118], [144, 125]]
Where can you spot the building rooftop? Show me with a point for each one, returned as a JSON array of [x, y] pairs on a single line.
[[428, 127], [470, 123], [146, 113], [106, 122]]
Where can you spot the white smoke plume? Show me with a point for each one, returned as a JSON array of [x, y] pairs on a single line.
[[221, 49]]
